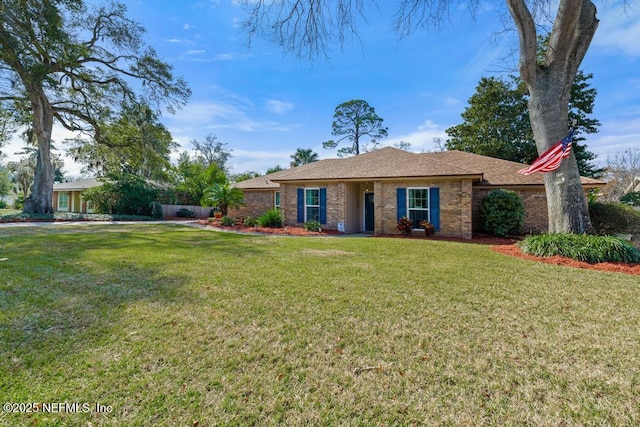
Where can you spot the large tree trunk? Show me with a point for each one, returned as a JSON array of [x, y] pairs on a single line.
[[41, 199], [549, 84], [566, 203]]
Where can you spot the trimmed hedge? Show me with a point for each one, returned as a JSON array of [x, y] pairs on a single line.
[[613, 218], [582, 247], [502, 213]]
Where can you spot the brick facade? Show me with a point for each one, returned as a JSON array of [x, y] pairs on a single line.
[[536, 219], [257, 202], [455, 205]]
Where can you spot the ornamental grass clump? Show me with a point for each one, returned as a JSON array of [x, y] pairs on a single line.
[[582, 247], [272, 218]]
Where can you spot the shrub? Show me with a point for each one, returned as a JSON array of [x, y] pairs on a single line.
[[3, 204], [156, 210], [312, 226], [228, 221], [123, 194], [582, 247], [612, 218], [632, 198], [185, 213], [272, 218], [405, 225], [428, 228], [502, 213], [250, 221]]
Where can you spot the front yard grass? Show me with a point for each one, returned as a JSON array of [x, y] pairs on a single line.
[[169, 325]]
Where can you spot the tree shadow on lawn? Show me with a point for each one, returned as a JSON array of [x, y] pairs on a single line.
[[64, 292]]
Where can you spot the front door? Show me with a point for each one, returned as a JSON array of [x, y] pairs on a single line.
[[369, 219]]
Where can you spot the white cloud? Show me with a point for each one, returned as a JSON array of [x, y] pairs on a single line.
[[187, 27], [422, 139], [258, 161], [278, 107], [195, 52], [197, 119], [614, 137], [618, 31]]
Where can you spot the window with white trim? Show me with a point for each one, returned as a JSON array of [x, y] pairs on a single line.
[[63, 201], [276, 200], [311, 204], [418, 205]]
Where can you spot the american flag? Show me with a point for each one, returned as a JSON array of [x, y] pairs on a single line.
[[550, 160]]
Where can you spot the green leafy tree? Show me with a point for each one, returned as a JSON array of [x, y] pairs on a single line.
[[5, 184], [243, 176], [224, 196], [302, 27], [496, 122], [354, 120], [123, 194], [302, 156], [192, 179], [274, 169], [140, 145], [73, 64]]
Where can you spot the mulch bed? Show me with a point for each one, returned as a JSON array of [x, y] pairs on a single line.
[[285, 231], [513, 250]]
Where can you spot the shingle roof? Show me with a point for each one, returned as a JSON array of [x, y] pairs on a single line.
[[81, 184], [389, 163]]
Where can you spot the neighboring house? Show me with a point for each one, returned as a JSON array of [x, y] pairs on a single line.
[[67, 196], [634, 186], [371, 191]]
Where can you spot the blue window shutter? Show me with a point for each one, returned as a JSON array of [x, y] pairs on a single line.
[[323, 206], [434, 207], [401, 202], [301, 205]]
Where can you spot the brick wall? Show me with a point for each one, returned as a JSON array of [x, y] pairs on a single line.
[[257, 202], [536, 219]]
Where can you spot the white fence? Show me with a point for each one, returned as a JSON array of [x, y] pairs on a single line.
[[169, 211]]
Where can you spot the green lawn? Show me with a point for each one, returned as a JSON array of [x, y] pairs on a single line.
[[175, 326]]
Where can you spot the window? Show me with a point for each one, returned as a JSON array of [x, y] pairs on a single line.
[[418, 205], [312, 204], [276, 200], [63, 201], [90, 207]]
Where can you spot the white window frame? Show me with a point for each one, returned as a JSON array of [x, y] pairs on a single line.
[[61, 208], [306, 206], [277, 200], [427, 209]]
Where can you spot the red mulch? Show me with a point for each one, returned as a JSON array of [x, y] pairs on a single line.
[[513, 250], [285, 231]]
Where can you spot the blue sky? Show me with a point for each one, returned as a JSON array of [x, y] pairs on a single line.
[[265, 104]]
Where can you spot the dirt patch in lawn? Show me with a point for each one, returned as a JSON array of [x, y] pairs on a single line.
[[513, 250]]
